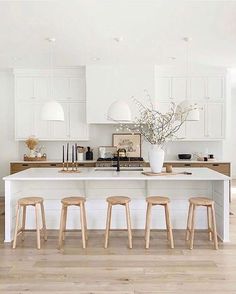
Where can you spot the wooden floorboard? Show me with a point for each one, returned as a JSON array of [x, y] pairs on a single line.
[[118, 269]]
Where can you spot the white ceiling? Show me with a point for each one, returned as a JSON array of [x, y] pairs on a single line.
[[151, 29]]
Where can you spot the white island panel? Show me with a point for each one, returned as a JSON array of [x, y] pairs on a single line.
[[97, 185]]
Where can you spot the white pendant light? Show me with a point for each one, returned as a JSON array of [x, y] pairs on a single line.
[[119, 111], [52, 110], [193, 115]]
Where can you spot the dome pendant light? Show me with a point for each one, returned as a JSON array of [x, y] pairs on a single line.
[[194, 114], [52, 110]]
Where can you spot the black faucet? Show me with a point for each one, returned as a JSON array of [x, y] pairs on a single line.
[[117, 165]]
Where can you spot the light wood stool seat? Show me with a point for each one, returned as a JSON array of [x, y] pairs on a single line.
[[211, 219], [157, 200], [75, 201], [30, 200], [37, 202], [163, 201], [118, 200], [201, 201]]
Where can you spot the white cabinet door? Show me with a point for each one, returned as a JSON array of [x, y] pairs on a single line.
[[78, 126], [24, 89], [163, 88], [77, 89], [197, 129], [42, 127], [42, 88], [60, 129], [61, 88], [197, 88], [215, 88], [215, 120], [178, 88], [24, 120]]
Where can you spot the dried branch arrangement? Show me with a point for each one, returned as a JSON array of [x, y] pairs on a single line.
[[157, 127]]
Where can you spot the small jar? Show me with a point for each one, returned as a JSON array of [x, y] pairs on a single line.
[[169, 168]]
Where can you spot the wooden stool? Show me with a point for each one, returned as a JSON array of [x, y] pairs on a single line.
[[76, 201], [37, 202], [211, 219], [118, 200], [164, 201]]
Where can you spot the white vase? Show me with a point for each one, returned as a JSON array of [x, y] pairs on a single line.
[[156, 158]]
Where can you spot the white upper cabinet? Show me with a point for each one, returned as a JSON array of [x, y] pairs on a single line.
[[105, 84], [178, 88], [197, 88], [215, 120], [215, 88], [163, 88], [33, 89]]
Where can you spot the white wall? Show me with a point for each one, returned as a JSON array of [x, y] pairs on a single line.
[[8, 146]]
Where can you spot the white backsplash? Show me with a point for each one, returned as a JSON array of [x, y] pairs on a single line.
[[101, 135]]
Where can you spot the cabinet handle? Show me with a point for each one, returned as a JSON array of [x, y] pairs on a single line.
[[25, 164], [187, 164], [53, 164], [81, 164], [215, 164]]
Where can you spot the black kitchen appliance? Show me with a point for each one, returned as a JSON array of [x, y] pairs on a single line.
[[185, 156]]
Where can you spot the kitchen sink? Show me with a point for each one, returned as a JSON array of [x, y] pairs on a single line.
[[121, 169]]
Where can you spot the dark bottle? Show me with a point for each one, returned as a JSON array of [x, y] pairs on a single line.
[[89, 154]]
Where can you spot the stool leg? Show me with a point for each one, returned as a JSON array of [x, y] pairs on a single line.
[[108, 224], [61, 227], [148, 225], [214, 226], [37, 224], [209, 221], [190, 211], [169, 226], [85, 223], [43, 221], [64, 223], [17, 224], [128, 219], [192, 227], [82, 225], [23, 223]]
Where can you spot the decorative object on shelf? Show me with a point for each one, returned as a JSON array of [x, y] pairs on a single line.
[[105, 152], [89, 154], [169, 168], [131, 142], [31, 143], [52, 110], [80, 152], [194, 114], [74, 159], [35, 158], [119, 111], [158, 128]]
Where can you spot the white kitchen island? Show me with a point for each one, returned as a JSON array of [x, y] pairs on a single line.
[[97, 184]]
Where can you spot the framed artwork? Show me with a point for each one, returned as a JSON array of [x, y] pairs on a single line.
[[130, 142]]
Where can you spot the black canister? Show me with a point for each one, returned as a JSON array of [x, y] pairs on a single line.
[[89, 154]]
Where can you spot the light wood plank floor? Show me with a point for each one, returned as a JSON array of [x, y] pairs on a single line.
[[118, 269]]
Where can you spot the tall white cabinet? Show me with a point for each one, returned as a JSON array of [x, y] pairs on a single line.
[[33, 89]]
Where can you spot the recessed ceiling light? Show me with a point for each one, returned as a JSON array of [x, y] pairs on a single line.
[[96, 58], [187, 39], [172, 58], [118, 39], [51, 39]]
